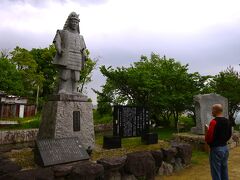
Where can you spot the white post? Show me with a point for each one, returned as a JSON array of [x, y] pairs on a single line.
[[21, 111], [37, 100]]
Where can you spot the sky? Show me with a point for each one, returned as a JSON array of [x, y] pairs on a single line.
[[202, 33]]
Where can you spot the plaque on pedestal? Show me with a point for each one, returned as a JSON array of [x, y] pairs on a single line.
[[59, 151]]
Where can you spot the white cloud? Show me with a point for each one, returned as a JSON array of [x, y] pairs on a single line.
[[203, 33], [117, 17]]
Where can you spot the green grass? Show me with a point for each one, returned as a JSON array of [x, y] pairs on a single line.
[[164, 133], [197, 156], [24, 123], [23, 157], [99, 137], [129, 145], [9, 119]]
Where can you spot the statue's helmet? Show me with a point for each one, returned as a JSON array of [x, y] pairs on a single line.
[[74, 15], [71, 16]]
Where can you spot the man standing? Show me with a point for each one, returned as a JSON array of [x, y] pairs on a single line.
[[70, 55], [217, 135]]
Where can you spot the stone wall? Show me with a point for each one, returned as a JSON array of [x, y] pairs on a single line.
[[198, 141], [136, 165], [103, 127], [17, 136], [26, 135]]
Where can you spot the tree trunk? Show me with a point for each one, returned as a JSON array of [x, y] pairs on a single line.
[[175, 115]]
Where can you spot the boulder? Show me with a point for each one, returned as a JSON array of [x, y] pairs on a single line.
[[128, 177], [140, 164], [112, 175], [178, 164], [112, 167], [7, 166], [169, 154], [62, 170], [33, 174], [184, 151], [112, 164], [158, 157], [86, 171], [165, 169]]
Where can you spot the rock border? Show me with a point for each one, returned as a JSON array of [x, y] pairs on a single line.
[[135, 165]]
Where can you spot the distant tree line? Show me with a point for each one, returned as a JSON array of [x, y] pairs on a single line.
[[24, 72], [165, 87]]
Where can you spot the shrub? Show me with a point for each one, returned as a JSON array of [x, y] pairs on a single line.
[[101, 119], [187, 122]]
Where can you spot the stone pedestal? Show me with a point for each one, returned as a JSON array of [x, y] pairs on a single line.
[[68, 116], [149, 138], [112, 142], [203, 110]]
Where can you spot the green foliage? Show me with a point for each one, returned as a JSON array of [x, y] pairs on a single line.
[[104, 107], [101, 118], [23, 72], [163, 85], [186, 121], [164, 133], [10, 78], [43, 58], [227, 84], [166, 122], [27, 67], [86, 72]]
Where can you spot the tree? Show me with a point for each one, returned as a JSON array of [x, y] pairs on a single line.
[[43, 58], [227, 84], [10, 78], [105, 99], [163, 85], [4, 53], [27, 67], [86, 72]]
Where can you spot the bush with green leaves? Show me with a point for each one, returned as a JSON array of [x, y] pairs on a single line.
[[101, 118], [186, 121]]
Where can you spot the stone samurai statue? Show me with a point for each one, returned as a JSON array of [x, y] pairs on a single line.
[[70, 57]]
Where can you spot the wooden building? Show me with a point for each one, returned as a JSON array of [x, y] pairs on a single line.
[[13, 107]]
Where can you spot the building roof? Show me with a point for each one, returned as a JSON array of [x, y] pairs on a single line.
[[2, 93]]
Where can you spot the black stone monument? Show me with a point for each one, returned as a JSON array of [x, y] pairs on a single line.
[[130, 121]]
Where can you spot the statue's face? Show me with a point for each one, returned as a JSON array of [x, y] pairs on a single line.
[[73, 24]]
